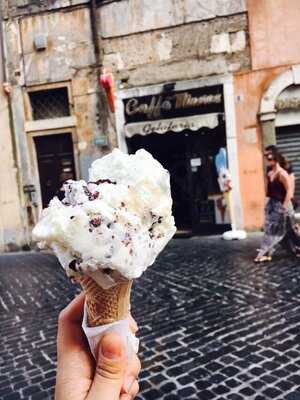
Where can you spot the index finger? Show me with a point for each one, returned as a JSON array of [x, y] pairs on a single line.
[[70, 333], [73, 313]]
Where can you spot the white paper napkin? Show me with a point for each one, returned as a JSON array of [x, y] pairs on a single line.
[[95, 334]]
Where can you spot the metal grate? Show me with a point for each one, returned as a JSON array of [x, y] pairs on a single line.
[[52, 103], [288, 142]]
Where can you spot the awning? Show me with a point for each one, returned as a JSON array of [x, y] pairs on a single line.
[[193, 123]]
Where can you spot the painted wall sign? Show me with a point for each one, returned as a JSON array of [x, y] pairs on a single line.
[[292, 103], [175, 104]]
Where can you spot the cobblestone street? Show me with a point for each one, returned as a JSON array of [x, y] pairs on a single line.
[[212, 324]]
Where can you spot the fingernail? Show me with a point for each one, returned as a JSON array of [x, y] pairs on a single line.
[[128, 383], [127, 397], [111, 347]]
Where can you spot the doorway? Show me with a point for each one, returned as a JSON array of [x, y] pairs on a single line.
[[189, 157], [55, 159], [171, 151]]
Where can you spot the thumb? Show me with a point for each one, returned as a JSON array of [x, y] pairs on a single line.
[[110, 369]]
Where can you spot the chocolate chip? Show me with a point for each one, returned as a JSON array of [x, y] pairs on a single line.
[[72, 265], [99, 181], [94, 196], [86, 190], [107, 271], [95, 222], [127, 239], [91, 195]]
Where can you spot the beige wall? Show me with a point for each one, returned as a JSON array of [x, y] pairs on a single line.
[[133, 16], [69, 46], [68, 60], [11, 230], [189, 51], [149, 42], [274, 32]]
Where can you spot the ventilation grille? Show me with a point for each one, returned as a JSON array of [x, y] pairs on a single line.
[[288, 142]]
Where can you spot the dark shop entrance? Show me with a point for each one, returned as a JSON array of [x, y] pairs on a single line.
[[189, 157], [184, 130]]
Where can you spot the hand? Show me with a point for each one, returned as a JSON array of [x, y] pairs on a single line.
[[285, 206], [79, 377]]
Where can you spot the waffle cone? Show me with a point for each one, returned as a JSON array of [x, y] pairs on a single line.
[[105, 306]]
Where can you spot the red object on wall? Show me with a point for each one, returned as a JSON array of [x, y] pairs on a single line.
[[107, 82]]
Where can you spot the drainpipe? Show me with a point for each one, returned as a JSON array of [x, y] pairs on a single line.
[[9, 103], [102, 106], [96, 40]]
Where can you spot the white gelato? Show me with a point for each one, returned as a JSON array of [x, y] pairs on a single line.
[[120, 220]]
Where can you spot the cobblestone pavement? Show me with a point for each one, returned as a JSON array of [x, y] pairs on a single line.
[[212, 324]]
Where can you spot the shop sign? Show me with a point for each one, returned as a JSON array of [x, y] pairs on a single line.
[[177, 104]]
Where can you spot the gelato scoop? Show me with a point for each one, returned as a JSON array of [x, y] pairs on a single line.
[[118, 221], [106, 232]]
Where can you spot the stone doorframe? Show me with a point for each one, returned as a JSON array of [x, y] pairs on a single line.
[[230, 120], [267, 114]]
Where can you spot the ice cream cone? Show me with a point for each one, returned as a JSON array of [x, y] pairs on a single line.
[[105, 306]]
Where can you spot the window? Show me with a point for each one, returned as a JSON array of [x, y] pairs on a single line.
[[51, 103]]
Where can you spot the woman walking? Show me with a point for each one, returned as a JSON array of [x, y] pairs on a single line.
[[279, 215], [285, 164]]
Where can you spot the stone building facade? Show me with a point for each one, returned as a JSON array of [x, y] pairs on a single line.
[[197, 47], [59, 114], [189, 76]]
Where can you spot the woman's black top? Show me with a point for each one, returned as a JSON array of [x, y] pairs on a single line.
[[276, 189]]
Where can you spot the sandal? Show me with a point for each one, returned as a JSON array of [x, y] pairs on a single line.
[[262, 259]]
